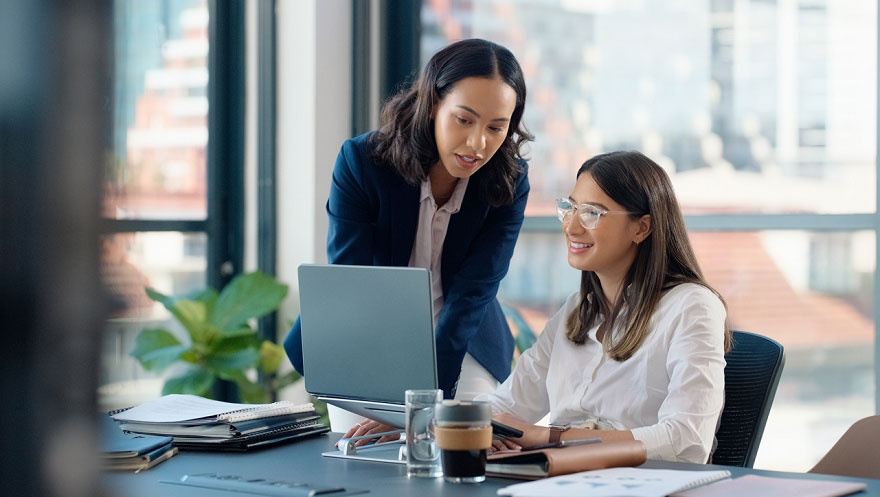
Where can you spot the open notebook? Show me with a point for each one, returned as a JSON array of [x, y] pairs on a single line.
[[615, 482]]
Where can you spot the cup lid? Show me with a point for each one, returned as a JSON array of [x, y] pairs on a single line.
[[452, 411]]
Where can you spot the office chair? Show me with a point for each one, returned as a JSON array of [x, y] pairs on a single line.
[[754, 366], [857, 453]]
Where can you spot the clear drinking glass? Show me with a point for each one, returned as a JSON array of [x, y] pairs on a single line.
[[422, 456]]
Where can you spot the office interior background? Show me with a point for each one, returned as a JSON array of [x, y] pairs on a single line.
[[226, 118]]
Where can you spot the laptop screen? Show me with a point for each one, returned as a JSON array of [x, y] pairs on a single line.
[[367, 331]]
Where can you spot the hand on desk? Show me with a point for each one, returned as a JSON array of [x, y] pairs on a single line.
[[532, 434], [367, 427], [538, 435]]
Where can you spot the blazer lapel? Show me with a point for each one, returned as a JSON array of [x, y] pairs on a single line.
[[404, 202]]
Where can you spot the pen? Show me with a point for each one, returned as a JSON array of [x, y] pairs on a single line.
[[564, 443]]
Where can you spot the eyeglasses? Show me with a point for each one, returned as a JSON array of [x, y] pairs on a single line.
[[587, 214]]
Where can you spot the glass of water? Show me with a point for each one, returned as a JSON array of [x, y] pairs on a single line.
[[422, 456]]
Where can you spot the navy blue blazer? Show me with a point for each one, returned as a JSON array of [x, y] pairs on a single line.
[[373, 220]]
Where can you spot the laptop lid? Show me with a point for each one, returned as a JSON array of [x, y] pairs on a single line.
[[367, 335]]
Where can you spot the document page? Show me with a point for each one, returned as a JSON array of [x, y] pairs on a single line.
[[176, 408], [615, 482]]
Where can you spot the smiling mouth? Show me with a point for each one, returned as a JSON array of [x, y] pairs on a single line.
[[580, 245]]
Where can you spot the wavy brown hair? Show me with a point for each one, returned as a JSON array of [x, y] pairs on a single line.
[[405, 140], [664, 259]]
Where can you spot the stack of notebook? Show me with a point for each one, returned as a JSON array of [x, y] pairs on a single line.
[[129, 452], [196, 423]]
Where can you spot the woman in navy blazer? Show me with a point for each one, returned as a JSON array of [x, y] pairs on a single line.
[[458, 128]]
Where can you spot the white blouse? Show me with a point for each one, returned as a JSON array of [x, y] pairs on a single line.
[[669, 392]]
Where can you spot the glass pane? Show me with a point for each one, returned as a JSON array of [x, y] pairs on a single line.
[[160, 110], [776, 101], [172, 263], [811, 291]]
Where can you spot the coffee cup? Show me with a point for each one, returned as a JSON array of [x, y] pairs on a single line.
[[463, 432]]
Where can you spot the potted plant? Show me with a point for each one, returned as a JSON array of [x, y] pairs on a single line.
[[223, 345]]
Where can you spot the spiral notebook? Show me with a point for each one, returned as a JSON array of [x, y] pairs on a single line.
[[191, 409], [614, 482]]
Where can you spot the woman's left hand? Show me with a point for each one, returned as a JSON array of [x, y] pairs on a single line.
[[369, 427]]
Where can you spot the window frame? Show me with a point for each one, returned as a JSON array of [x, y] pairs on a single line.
[[223, 225], [407, 44]]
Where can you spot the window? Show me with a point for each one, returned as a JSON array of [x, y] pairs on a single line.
[[168, 196], [764, 115]]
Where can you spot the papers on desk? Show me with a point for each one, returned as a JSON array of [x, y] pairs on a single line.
[[615, 482], [766, 486], [199, 423], [192, 409]]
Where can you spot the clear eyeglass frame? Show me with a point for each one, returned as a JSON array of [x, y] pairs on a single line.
[[588, 214]]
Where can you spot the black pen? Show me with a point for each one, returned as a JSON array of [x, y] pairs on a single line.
[[564, 443]]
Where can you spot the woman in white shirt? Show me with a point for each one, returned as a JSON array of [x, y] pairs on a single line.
[[638, 351]]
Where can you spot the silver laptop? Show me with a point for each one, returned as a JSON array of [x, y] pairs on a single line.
[[367, 336]]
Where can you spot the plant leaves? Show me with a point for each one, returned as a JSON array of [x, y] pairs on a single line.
[[156, 349], [195, 382], [282, 381], [233, 360], [207, 297], [252, 393], [271, 356], [247, 296], [193, 316], [233, 343], [192, 313], [248, 391]]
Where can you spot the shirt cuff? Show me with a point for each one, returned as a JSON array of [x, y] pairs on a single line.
[[657, 442]]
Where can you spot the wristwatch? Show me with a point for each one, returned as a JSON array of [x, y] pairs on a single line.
[[556, 430]]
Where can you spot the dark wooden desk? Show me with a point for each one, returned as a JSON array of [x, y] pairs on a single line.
[[302, 461]]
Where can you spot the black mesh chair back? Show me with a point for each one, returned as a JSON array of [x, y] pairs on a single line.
[[754, 366]]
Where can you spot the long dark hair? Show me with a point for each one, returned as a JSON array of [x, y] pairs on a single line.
[[664, 259], [405, 140]]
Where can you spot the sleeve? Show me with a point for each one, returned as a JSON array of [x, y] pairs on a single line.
[[352, 218], [476, 283], [695, 364], [351, 211], [524, 393]]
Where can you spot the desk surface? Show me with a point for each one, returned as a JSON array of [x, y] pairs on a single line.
[[302, 461]]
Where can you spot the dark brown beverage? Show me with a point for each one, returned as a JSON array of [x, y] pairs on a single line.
[[463, 433], [464, 463]]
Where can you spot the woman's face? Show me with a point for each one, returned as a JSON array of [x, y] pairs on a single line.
[[610, 248], [471, 122]]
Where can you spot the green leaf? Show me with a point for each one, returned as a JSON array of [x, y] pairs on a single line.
[[207, 296], [156, 349], [191, 313], [234, 343], [250, 392], [195, 382], [190, 356], [163, 299], [271, 356], [193, 316], [247, 296], [233, 360], [282, 381]]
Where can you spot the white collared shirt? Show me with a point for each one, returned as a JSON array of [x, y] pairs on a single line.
[[430, 234], [669, 393]]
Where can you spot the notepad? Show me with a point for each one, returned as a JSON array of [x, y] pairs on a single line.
[[766, 486], [191, 409], [615, 482]]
